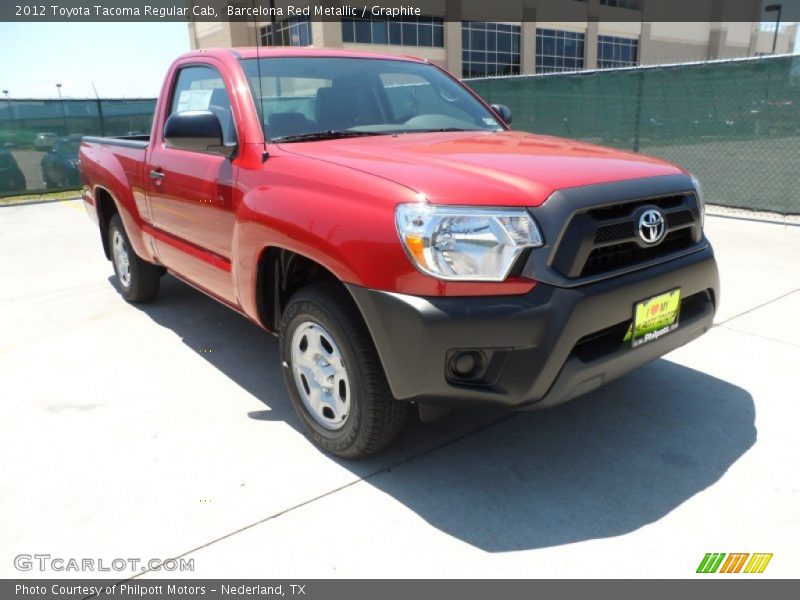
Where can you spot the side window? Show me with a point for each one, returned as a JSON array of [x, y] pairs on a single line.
[[202, 88]]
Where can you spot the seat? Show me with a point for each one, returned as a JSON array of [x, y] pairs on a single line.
[[335, 110], [287, 123], [346, 104]]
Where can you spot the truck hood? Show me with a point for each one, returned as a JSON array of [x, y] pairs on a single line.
[[483, 168]]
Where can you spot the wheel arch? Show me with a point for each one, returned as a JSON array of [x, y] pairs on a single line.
[[106, 206], [281, 272]]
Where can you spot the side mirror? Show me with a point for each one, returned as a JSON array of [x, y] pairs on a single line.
[[198, 131], [503, 112]]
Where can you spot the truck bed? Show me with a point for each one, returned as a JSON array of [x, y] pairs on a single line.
[[129, 141]]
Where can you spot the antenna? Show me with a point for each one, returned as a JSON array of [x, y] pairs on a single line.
[[260, 107]]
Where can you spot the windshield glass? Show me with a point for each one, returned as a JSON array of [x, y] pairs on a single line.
[[311, 97]]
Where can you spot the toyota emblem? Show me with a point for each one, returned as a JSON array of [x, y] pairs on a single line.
[[652, 226]]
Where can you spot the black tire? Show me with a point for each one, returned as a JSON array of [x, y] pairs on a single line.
[[375, 417], [144, 278]]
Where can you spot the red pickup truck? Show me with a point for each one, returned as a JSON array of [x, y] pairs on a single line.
[[405, 244]]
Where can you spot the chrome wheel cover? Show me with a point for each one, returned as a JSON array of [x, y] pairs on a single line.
[[320, 375], [121, 259]]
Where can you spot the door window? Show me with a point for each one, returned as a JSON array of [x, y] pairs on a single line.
[[202, 88]]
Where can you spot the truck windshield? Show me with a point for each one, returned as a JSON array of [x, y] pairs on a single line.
[[311, 98]]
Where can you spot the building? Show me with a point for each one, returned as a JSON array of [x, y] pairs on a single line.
[[476, 38]]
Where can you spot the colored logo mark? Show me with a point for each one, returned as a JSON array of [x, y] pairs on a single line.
[[737, 562]]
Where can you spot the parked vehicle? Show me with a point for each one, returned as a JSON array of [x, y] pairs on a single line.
[[44, 141], [405, 245], [777, 116], [60, 164], [11, 177]]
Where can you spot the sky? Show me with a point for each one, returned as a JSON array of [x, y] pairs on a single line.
[[122, 59]]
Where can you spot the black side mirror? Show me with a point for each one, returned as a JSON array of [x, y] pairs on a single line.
[[198, 131], [503, 112]]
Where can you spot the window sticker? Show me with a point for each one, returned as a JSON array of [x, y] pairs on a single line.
[[193, 100]]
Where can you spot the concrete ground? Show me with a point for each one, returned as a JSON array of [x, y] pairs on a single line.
[[164, 430]]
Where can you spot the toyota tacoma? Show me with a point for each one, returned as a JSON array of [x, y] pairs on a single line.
[[405, 245]]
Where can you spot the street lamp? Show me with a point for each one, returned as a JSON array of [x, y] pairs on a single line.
[[12, 124], [63, 112], [775, 8]]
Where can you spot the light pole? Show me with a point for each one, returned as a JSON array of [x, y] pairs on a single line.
[[63, 112], [775, 8], [10, 116]]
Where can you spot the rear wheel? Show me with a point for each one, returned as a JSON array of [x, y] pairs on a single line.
[[334, 376], [137, 279]]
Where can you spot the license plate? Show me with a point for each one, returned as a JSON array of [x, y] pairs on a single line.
[[654, 318]]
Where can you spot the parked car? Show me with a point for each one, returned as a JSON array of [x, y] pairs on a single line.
[[11, 177], [44, 141], [405, 245], [60, 164], [773, 116]]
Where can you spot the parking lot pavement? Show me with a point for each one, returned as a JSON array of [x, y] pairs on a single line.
[[163, 430]]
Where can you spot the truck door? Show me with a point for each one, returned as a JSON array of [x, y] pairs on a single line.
[[191, 194]]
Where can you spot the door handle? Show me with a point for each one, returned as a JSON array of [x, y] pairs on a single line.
[[157, 175]]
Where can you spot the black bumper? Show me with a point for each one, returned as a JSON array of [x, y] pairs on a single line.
[[534, 350]]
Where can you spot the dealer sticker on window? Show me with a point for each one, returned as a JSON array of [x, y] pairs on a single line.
[[654, 318]]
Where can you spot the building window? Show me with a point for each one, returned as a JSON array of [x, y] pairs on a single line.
[[489, 49], [613, 52], [630, 4], [295, 31], [558, 50], [402, 31]]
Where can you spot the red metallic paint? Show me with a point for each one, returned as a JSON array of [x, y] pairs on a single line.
[[211, 219]]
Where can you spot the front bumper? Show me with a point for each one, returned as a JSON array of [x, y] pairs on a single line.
[[535, 350]]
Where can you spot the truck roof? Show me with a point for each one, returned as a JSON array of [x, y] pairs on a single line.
[[288, 51]]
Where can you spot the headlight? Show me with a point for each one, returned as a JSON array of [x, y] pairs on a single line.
[[462, 243], [701, 201]]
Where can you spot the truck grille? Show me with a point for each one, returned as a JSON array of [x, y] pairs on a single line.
[[619, 256], [606, 239]]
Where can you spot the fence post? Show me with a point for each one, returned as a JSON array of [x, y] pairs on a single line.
[[100, 115], [638, 114]]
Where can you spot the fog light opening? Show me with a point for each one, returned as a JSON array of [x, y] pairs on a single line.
[[465, 364]]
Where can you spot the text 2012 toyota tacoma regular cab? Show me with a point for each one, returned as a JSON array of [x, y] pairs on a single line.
[[403, 242]]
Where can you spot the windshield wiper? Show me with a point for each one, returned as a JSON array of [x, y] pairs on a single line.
[[325, 135], [442, 130]]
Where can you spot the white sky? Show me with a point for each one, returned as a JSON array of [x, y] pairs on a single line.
[[122, 59]]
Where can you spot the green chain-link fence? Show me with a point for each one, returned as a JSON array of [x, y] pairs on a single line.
[[39, 138], [735, 124]]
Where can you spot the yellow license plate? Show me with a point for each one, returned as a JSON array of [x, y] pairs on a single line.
[[654, 318]]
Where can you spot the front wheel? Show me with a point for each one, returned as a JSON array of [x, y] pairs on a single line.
[[334, 376], [137, 279]]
